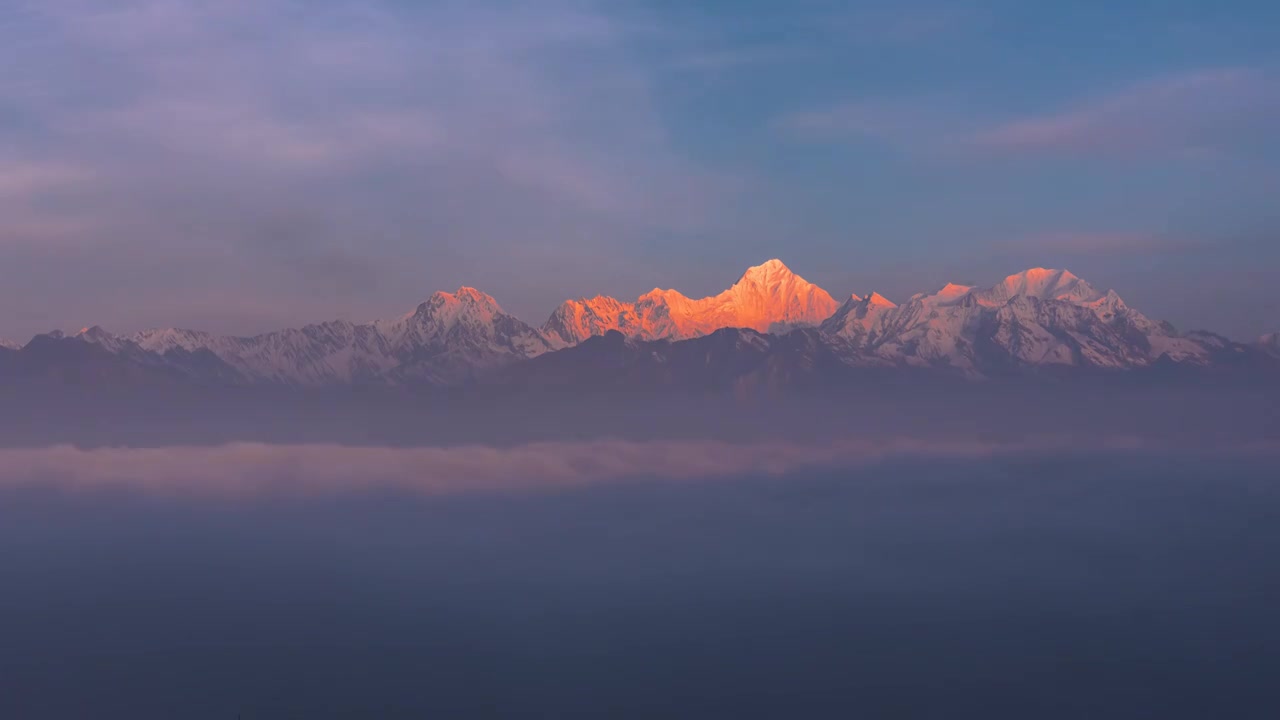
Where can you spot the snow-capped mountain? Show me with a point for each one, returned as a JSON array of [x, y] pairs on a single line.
[[1033, 318], [105, 340], [771, 327], [9, 345], [445, 340], [860, 321], [94, 356], [768, 298], [451, 336]]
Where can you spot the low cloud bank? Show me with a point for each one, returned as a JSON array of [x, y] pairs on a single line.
[[253, 469]]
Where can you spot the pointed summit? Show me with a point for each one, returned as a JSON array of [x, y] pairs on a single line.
[[768, 297], [472, 295], [860, 319], [878, 300], [766, 272], [96, 332], [466, 301], [949, 293], [99, 336]]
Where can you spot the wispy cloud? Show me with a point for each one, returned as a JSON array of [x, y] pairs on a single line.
[[1195, 112], [400, 131], [1095, 243], [922, 123], [906, 24], [1200, 110], [27, 179]]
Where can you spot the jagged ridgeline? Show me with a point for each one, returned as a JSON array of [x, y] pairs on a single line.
[[771, 323]]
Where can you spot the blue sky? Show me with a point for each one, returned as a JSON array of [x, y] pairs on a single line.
[[248, 164]]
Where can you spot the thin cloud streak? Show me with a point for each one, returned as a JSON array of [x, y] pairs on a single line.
[[26, 179], [250, 470], [1097, 243], [1200, 110]]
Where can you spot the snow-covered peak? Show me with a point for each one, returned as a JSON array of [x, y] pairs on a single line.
[[875, 299], [576, 320], [468, 297], [599, 306], [440, 314], [10, 345], [1041, 283], [769, 272], [467, 307], [950, 293], [98, 336], [1033, 318], [1038, 280], [162, 340], [471, 295], [772, 278], [442, 340], [658, 295], [767, 298], [860, 319]]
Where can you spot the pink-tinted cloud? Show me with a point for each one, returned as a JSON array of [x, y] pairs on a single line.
[[26, 179], [1199, 112], [1195, 111], [246, 470]]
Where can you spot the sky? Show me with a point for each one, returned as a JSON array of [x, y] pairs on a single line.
[[244, 165]]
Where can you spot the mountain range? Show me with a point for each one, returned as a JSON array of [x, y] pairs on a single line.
[[769, 298], [771, 327]]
